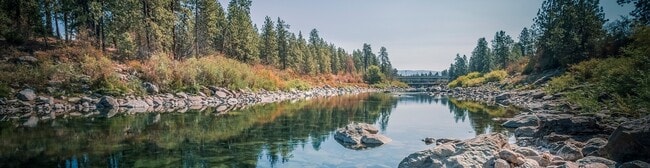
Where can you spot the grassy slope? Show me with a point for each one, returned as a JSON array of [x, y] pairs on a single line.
[[76, 69]]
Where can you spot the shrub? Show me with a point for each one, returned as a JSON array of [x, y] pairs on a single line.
[[474, 79], [297, 84]]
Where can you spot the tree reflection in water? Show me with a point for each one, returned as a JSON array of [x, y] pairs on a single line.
[[201, 139]]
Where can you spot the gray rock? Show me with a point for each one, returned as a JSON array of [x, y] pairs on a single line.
[[429, 140], [375, 139], [594, 165], [150, 88], [27, 59], [511, 156], [538, 95], [182, 95], [529, 163], [522, 121], [475, 152], [570, 152], [595, 159], [359, 135], [635, 164], [500, 163], [526, 151], [26, 95], [630, 141], [525, 131], [31, 122], [74, 100], [593, 146], [445, 140], [220, 94], [108, 102], [135, 104], [566, 124]]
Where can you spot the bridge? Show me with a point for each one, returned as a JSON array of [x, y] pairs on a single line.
[[423, 81]]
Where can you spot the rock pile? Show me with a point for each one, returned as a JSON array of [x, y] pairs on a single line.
[[493, 150], [359, 136]]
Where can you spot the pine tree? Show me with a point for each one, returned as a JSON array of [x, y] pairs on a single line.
[[240, 34], [501, 45], [283, 43], [269, 44], [527, 42], [480, 60]]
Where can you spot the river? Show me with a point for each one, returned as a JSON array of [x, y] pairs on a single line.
[[286, 134]]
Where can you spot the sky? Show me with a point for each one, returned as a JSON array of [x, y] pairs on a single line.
[[418, 34]]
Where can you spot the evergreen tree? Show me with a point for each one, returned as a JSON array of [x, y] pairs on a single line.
[[527, 42], [501, 45], [283, 44], [240, 34], [385, 65], [269, 44], [569, 32], [480, 60]]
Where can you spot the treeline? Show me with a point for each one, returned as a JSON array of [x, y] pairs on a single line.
[[137, 30], [565, 32]]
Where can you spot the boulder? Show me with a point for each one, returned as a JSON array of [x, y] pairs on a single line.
[[135, 104], [566, 124], [635, 164], [429, 140], [107, 102], [150, 88], [529, 163], [446, 140], [360, 135], [27, 59], [595, 159], [26, 95], [511, 156], [526, 151], [475, 152], [31, 122], [630, 141], [500, 163], [593, 146], [570, 152], [375, 139], [525, 131], [522, 121]]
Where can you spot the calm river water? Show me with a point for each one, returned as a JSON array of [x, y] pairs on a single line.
[[286, 134]]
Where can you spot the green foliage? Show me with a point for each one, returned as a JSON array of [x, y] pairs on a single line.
[[298, 84], [501, 45], [374, 75], [569, 32], [476, 79], [480, 60], [5, 90]]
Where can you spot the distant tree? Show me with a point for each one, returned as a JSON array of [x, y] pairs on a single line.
[[374, 75], [641, 12], [385, 64], [269, 44], [501, 45], [480, 60], [444, 73], [283, 42], [367, 56], [527, 42]]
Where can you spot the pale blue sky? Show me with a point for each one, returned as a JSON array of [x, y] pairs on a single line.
[[419, 34]]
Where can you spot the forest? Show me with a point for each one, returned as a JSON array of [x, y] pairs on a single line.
[[590, 59], [175, 44]]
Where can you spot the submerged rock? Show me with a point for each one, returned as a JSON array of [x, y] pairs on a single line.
[[360, 135]]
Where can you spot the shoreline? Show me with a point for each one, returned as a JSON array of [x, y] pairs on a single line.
[[554, 130], [223, 100]]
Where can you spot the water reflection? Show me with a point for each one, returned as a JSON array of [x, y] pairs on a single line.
[[275, 134]]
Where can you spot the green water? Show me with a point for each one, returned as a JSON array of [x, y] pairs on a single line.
[[286, 134]]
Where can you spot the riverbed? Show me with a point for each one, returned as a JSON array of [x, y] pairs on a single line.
[[297, 133]]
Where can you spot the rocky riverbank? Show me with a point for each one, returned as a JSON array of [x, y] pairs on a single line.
[[27, 104], [552, 128]]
